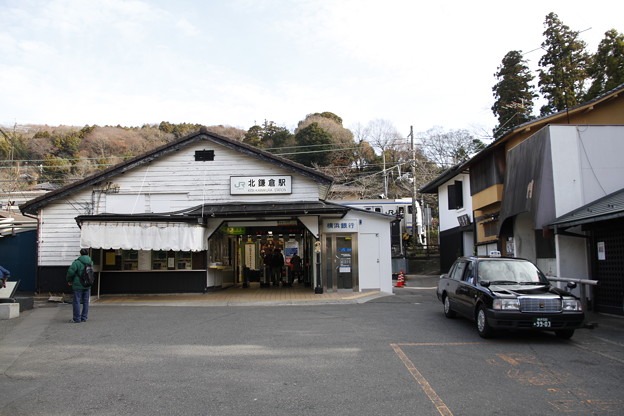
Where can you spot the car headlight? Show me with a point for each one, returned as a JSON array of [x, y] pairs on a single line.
[[571, 305], [507, 304]]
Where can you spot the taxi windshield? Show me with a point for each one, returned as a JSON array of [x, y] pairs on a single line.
[[510, 272]]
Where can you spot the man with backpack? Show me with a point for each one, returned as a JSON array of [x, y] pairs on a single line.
[[80, 283]]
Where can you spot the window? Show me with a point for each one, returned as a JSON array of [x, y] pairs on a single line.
[[469, 274], [204, 155], [489, 228], [184, 260], [144, 260], [458, 272], [130, 259], [159, 260], [455, 196]]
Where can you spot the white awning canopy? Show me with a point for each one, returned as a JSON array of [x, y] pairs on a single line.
[[143, 236]]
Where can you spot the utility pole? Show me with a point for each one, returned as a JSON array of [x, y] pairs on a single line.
[[414, 216]]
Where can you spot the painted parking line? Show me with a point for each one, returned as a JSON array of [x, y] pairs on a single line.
[[424, 384], [527, 370]]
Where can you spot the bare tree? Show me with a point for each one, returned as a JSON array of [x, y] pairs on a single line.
[[447, 148], [384, 136]]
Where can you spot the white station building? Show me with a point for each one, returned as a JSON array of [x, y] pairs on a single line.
[[200, 213]]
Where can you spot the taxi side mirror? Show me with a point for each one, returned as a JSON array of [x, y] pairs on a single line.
[[484, 283]]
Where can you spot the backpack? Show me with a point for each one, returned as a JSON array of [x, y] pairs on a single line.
[[87, 277]]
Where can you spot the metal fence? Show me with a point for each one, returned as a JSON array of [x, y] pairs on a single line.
[[10, 226], [584, 283]]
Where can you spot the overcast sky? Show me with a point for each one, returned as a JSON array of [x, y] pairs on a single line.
[[239, 62]]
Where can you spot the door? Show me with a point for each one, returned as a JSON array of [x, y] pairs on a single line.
[[466, 294], [344, 262], [453, 288], [339, 263]]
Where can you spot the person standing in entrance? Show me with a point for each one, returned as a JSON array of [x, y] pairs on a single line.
[[295, 261], [81, 293], [277, 264]]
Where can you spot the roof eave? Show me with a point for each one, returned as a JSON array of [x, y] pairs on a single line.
[[33, 206]]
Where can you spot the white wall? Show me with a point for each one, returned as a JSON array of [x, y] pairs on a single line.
[[468, 240], [524, 237], [572, 260], [587, 164], [374, 253], [59, 235], [173, 182], [181, 182], [448, 218]]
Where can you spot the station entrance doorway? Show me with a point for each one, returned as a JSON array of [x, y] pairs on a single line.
[[256, 246]]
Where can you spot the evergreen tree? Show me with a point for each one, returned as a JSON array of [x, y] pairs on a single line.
[[606, 69], [564, 66], [268, 136], [513, 93], [315, 145], [342, 138]]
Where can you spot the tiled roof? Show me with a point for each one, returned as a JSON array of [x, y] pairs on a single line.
[[608, 207]]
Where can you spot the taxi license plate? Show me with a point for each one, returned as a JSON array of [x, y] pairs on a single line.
[[541, 323]]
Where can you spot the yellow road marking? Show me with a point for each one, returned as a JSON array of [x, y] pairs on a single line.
[[424, 384]]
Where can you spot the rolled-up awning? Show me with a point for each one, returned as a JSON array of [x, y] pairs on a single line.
[[143, 236]]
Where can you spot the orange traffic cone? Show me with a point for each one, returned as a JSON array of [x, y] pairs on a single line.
[[400, 280]]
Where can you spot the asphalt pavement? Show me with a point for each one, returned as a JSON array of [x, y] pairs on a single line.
[[377, 354], [603, 333]]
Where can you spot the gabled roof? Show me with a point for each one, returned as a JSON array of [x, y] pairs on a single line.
[[32, 206], [606, 208], [450, 173], [563, 114], [532, 125]]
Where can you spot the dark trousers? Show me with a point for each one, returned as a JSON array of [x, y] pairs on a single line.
[[81, 297]]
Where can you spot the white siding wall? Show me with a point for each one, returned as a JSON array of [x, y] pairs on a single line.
[[175, 182], [59, 235], [448, 218], [187, 183]]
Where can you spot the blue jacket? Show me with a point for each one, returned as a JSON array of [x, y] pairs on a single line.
[[4, 273]]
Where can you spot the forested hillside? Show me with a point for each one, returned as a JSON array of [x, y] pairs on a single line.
[[367, 161], [36, 154]]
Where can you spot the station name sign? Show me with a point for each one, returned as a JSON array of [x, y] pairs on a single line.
[[254, 185]]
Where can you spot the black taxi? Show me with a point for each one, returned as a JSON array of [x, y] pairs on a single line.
[[504, 293]]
